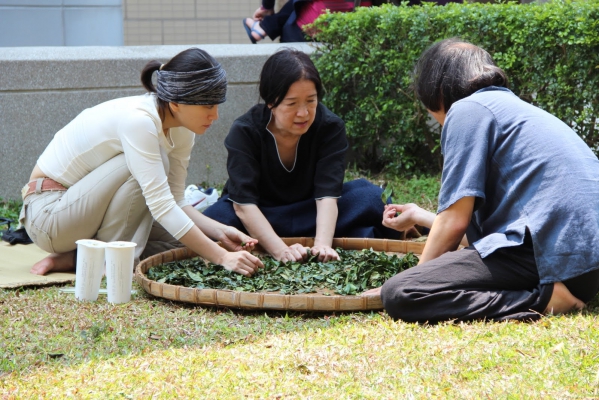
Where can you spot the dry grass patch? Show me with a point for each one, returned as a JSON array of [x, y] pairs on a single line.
[[52, 346], [230, 355]]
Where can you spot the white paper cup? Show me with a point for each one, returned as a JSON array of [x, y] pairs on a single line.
[[89, 269], [119, 271]]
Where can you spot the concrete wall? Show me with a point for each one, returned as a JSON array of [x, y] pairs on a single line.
[[151, 22], [43, 88], [61, 23]]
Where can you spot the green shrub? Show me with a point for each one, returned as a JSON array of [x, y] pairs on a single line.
[[10, 209], [550, 52]]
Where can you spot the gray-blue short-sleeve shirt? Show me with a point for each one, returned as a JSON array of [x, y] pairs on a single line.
[[527, 170]]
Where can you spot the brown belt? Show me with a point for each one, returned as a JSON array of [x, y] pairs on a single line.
[[43, 186]]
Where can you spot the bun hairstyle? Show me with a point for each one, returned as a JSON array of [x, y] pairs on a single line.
[[190, 60], [451, 70], [146, 75], [282, 70]]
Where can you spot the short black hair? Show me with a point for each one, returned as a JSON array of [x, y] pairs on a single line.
[[282, 70], [451, 70]]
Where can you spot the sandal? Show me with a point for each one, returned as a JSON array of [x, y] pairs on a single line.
[[254, 30]]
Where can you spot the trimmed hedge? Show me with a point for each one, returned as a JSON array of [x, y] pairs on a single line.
[[550, 52]]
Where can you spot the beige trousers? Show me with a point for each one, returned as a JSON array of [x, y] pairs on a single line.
[[107, 205]]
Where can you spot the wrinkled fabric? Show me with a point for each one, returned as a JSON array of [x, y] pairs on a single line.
[[360, 214], [128, 126], [527, 170], [462, 286], [203, 87]]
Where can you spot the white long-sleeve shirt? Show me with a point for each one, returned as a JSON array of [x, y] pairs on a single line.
[[128, 125]]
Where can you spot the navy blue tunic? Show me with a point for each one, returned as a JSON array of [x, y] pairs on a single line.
[[256, 174]]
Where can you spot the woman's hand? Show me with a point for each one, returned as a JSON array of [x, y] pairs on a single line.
[[326, 219], [325, 253], [261, 13], [295, 252], [402, 217], [241, 262], [234, 240]]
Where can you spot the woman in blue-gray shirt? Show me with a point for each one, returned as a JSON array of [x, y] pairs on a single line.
[[522, 187]]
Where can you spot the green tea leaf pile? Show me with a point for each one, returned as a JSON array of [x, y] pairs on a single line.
[[357, 271]]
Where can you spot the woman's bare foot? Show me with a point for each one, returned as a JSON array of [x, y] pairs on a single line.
[[254, 30], [372, 292], [55, 262], [562, 301]]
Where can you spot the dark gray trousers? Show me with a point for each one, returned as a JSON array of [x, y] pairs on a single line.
[[462, 286]]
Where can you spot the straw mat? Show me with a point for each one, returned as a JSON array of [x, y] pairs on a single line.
[[270, 300], [16, 261]]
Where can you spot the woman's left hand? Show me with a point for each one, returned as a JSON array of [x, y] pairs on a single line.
[[234, 240], [325, 253]]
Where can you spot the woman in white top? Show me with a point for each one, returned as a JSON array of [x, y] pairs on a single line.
[[117, 172]]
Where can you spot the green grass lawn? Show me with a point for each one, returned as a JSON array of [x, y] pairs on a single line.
[[53, 346]]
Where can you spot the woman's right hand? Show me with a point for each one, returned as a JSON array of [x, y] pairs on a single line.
[[401, 217], [261, 13], [241, 262], [295, 252]]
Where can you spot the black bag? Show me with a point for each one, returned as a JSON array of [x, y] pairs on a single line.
[[14, 236]]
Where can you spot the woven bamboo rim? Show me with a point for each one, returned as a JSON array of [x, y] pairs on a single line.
[[268, 300]]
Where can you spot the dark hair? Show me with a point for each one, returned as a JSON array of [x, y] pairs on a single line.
[[451, 70], [189, 60], [282, 70]]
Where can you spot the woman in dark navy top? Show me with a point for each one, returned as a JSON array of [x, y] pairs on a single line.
[[313, 169], [286, 163]]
